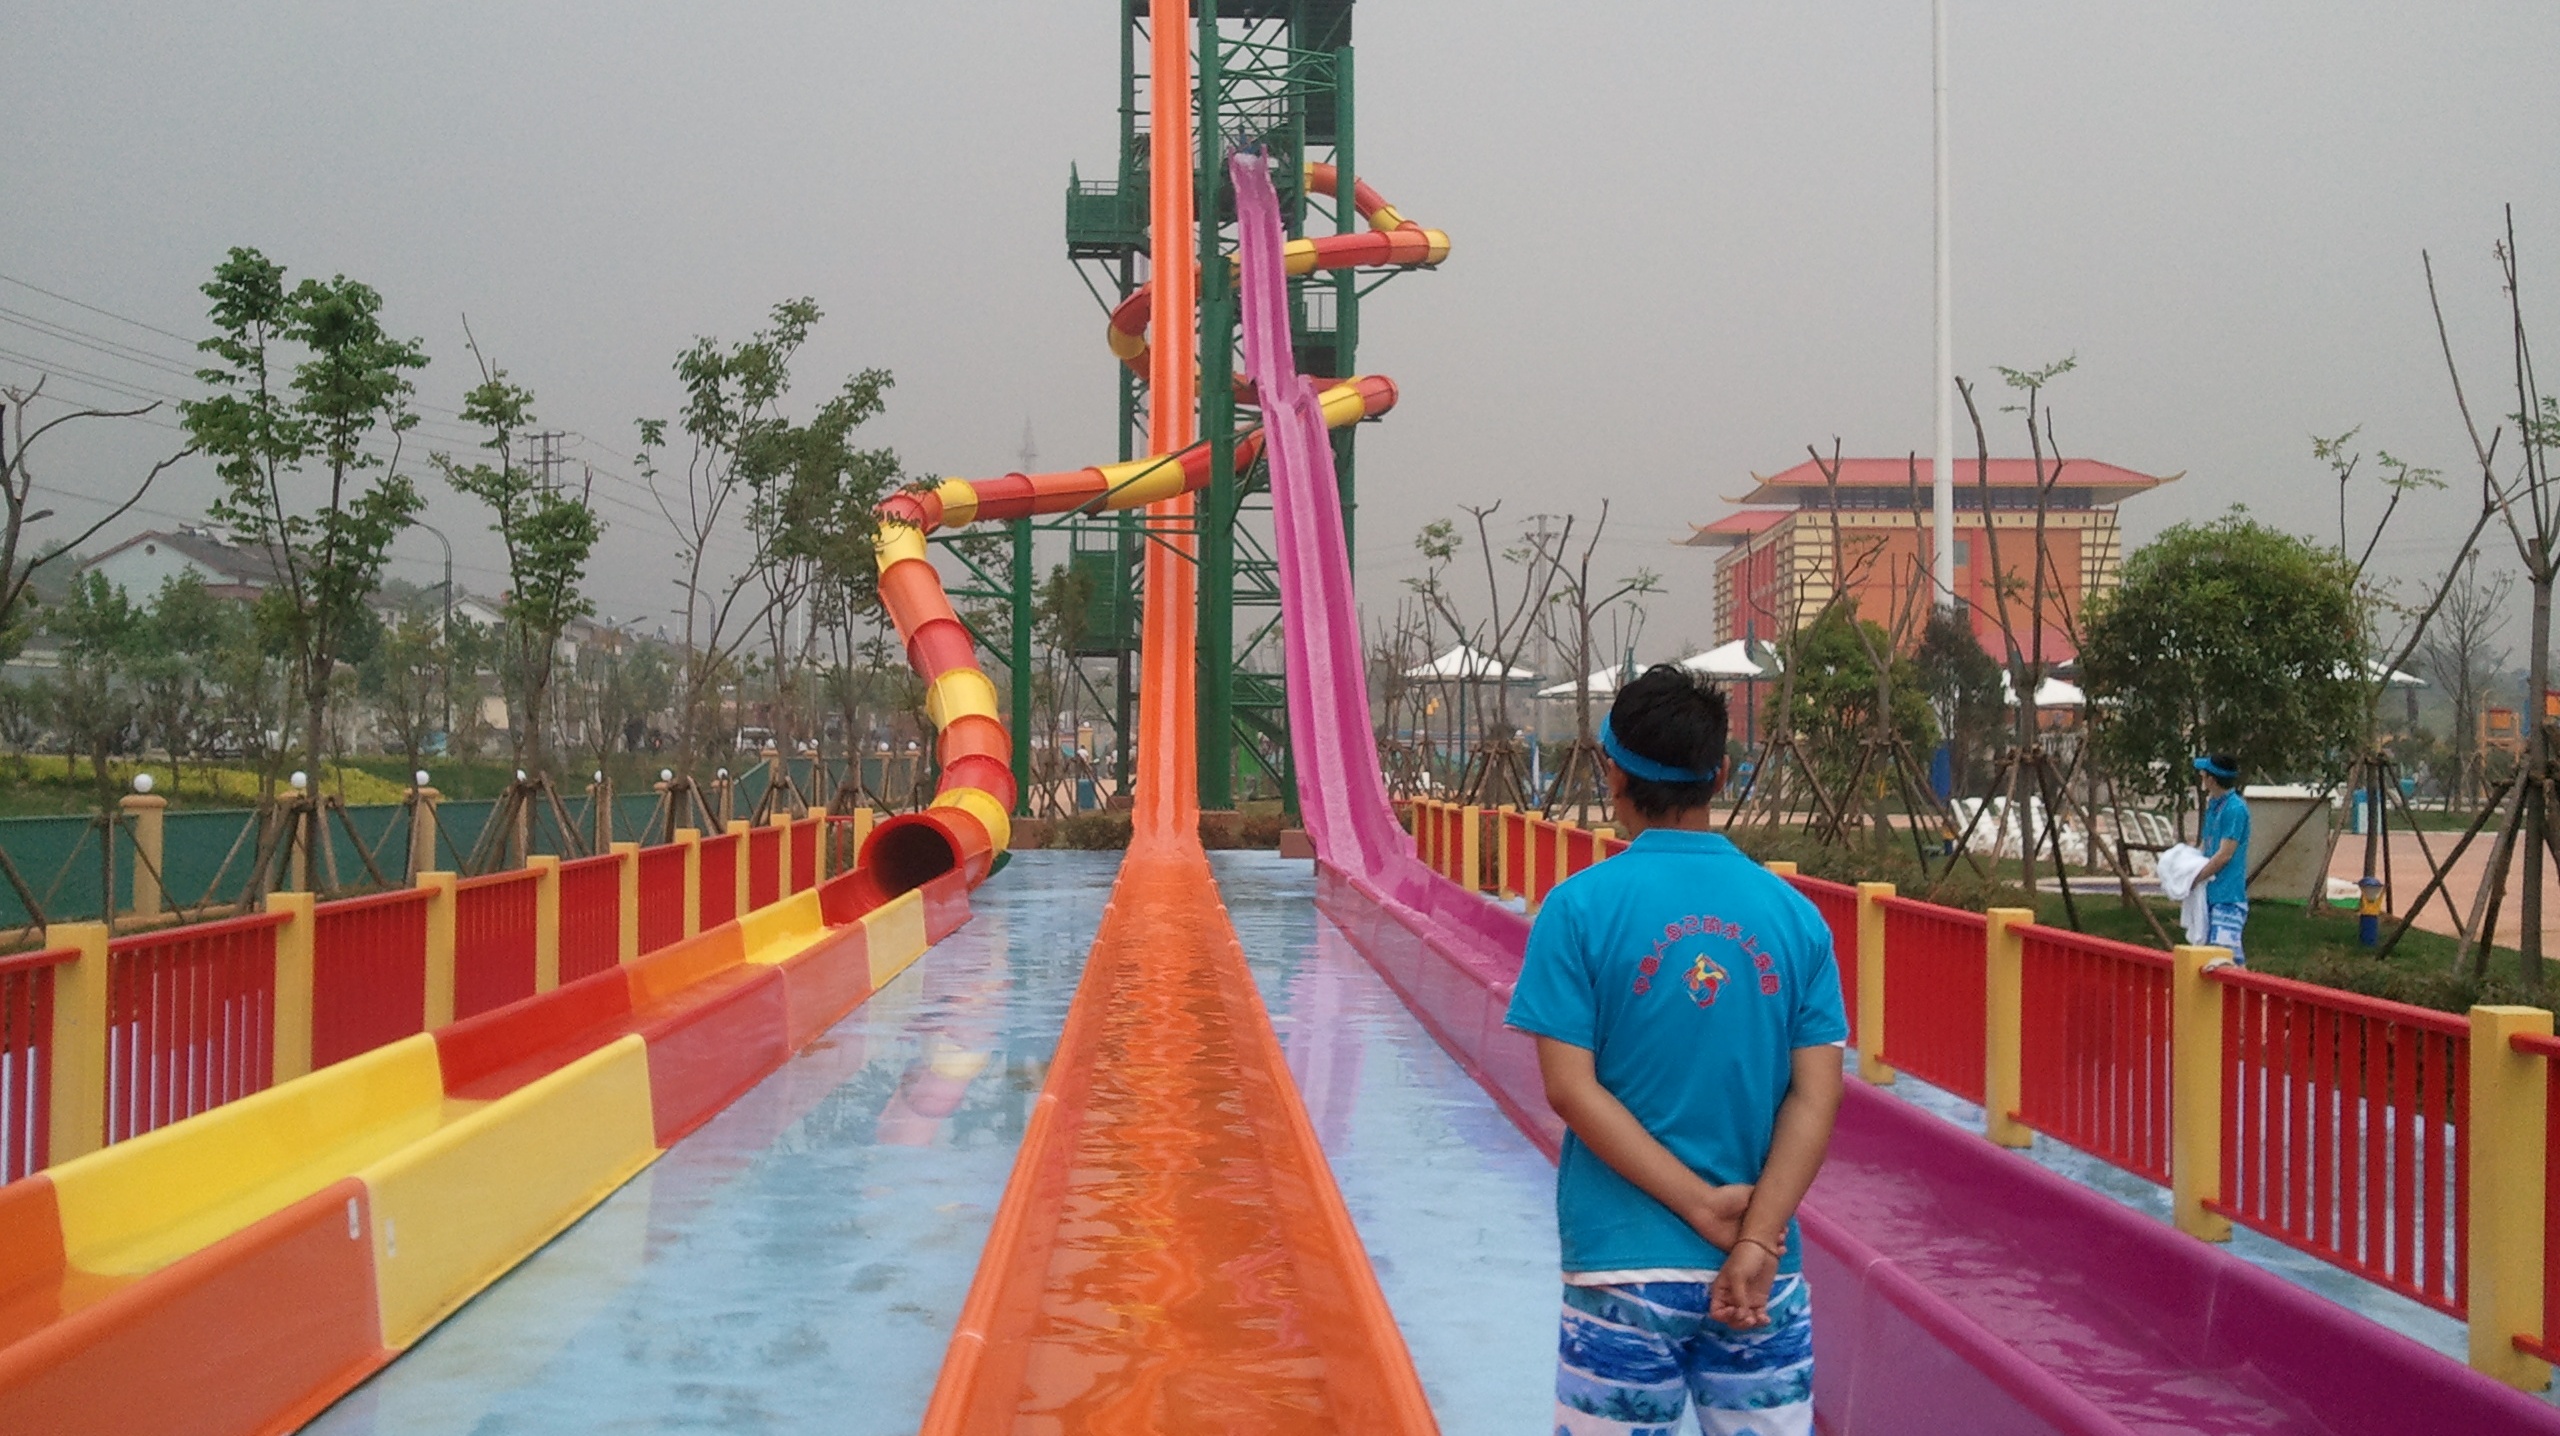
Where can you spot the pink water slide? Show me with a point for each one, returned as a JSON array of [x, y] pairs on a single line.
[[1961, 1286]]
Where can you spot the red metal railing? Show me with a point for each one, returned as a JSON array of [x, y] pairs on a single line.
[[368, 973], [2548, 1049], [1578, 850], [804, 855], [2346, 1133], [661, 896], [1513, 854], [591, 916], [1545, 840], [26, 1059], [1838, 904], [190, 1020], [2093, 1057], [764, 866], [720, 858], [493, 941], [1933, 994]]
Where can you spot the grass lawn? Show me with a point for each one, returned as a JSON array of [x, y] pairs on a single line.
[[2286, 941], [49, 785]]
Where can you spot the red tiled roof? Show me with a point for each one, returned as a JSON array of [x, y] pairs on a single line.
[[1734, 527], [2113, 481]]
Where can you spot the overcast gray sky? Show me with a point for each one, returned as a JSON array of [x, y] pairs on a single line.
[[1689, 238]]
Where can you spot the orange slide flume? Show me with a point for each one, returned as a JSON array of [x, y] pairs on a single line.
[[1171, 1254]]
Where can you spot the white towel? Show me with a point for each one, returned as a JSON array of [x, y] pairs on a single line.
[[2179, 865]]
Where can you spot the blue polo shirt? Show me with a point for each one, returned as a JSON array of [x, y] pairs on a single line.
[[2227, 817], [1692, 974]]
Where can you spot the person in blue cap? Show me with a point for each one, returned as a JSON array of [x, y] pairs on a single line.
[[1690, 1024], [2224, 837]]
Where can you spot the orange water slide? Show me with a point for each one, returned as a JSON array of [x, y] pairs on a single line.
[[1171, 1254]]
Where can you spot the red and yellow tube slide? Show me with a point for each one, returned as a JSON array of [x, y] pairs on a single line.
[[968, 822], [1392, 242]]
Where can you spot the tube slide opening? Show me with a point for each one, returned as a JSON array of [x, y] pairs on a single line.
[[908, 851]]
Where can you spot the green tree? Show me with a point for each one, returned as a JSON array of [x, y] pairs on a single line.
[[2228, 637], [1963, 684], [814, 488], [549, 532], [1834, 698], [177, 644], [100, 632], [733, 397], [304, 379], [404, 677]]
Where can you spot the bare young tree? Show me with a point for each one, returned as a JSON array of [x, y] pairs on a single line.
[[1577, 605], [2462, 655], [2531, 807], [1496, 772], [20, 557]]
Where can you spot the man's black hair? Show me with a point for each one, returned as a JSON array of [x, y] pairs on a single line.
[[2230, 761], [1677, 719]]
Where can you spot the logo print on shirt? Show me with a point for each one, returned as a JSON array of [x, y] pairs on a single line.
[[1706, 978]]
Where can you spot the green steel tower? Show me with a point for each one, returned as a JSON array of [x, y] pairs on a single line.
[[1273, 74]]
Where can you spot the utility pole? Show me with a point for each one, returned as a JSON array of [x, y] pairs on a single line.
[[1942, 472]]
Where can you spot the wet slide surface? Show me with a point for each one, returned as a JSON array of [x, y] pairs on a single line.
[[1172, 1254], [797, 1264]]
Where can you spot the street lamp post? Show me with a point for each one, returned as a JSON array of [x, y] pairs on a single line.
[[1942, 472], [445, 634]]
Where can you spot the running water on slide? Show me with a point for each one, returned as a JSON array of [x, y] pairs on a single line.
[[1961, 1287]]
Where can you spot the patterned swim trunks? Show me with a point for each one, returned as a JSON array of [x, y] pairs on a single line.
[[2223, 924], [1631, 1359]]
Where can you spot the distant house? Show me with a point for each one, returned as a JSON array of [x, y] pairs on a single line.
[[142, 563]]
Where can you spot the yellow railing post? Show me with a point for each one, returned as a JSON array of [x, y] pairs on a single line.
[[691, 838], [1871, 1063], [149, 812], [2195, 1094], [294, 978], [740, 862], [79, 1115], [862, 821], [546, 920], [439, 888], [2509, 1116], [2004, 1025], [1783, 867], [1502, 850], [782, 855], [629, 872], [1471, 847]]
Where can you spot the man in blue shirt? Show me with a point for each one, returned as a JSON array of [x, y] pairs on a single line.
[[2224, 836], [1689, 1024]]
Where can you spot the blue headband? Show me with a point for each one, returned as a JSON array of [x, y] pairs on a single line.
[[1636, 765], [2207, 765]]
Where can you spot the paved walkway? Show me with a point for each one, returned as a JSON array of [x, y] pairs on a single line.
[[2409, 877]]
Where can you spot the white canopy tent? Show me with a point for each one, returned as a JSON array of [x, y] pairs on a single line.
[[1729, 661], [1604, 684], [1462, 662], [1734, 660], [2051, 693]]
